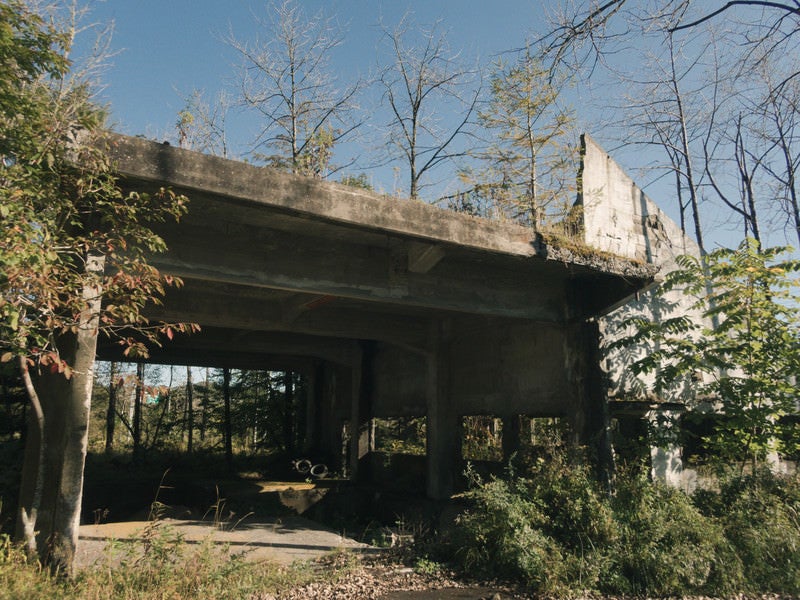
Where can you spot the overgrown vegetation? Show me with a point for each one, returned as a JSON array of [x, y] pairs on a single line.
[[160, 565], [553, 528], [735, 349]]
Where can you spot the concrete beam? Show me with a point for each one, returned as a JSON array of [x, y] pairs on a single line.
[[423, 257], [220, 343], [145, 160], [297, 264], [242, 308]]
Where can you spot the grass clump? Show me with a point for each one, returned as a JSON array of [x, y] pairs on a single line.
[[22, 580], [666, 546], [549, 529], [158, 565]]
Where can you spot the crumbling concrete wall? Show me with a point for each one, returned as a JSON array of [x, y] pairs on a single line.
[[619, 218]]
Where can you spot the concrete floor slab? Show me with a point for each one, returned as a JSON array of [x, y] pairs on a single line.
[[283, 540]]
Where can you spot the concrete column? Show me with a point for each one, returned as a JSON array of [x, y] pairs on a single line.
[[314, 394], [362, 435], [443, 425], [355, 413], [666, 464], [329, 417], [511, 436], [590, 418]]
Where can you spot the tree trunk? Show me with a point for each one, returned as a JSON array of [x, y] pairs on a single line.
[[112, 408], [56, 454], [204, 412], [137, 413], [226, 391], [189, 408], [288, 412]]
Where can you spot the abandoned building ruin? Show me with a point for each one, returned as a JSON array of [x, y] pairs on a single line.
[[394, 308]]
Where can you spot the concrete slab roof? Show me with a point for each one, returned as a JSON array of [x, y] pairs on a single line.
[[286, 266]]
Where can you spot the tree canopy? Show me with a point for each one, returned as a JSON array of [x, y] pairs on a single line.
[[60, 204]]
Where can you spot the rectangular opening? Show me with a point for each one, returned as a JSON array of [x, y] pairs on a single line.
[[400, 435], [482, 438]]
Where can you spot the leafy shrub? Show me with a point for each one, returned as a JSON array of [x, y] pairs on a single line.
[[502, 535], [556, 532], [550, 529], [666, 545], [759, 515]]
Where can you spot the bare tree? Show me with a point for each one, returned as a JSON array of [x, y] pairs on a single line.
[[201, 125], [585, 32], [286, 79], [699, 101], [426, 81], [662, 114], [778, 124]]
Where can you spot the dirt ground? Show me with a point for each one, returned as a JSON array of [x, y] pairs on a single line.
[[291, 539], [283, 540]]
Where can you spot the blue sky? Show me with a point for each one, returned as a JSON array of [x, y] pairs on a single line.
[[168, 48]]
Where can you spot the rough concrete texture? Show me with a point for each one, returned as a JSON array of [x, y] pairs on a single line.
[[619, 218], [394, 307], [284, 540]]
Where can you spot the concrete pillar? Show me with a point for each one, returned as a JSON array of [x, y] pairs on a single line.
[[666, 464], [590, 417], [355, 413], [329, 417], [511, 436], [443, 424], [314, 394], [361, 423]]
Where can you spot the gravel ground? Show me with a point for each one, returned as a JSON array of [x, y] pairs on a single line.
[[378, 578], [382, 579]]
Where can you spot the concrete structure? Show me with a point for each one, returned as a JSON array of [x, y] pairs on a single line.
[[619, 218], [392, 307]]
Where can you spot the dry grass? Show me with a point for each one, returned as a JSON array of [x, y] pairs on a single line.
[[160, 566]]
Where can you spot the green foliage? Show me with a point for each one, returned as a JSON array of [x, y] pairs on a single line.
[[760, 515], [60, 205], [744, 359], [666, 546], [555, 531], [426, 566], [482, 438], [264, 419], [360, 181], [20, 580], [400, 435], [549, 529], [502, 535], [156, 566]]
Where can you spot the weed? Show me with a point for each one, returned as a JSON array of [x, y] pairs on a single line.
[[759, 514], [425, 566]]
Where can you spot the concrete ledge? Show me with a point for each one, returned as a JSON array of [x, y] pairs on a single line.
[[147, 161], [167, 165]]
